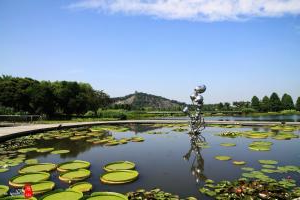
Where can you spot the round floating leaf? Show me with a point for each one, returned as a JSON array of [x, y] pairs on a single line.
[[268, 162], [31, 161], [68, 194], [260, 146], [111, 143], [3, 170], [107, 195], [269, 166], [228, 144], [249, 169], [60, 151], [82, 187], [73, 165], [119, 165], [42, 187], [269, 171], [225, 158], [119, 176], [3, 190], [137, 139], [74, 175], [256, 135], [21, 180], [26, 150], [239, 162], [40, 167], [45, 150]]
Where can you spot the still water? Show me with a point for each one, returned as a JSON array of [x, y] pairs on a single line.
[[281, 118], [166, 161]]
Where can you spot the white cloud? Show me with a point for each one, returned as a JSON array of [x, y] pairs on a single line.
[[198, 10]]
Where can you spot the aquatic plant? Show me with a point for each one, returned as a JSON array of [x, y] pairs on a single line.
[[67, 194], [119, 176], [22, 179], [74, 175], [223, 158], [40, 167], [119, 165], [73, 165], [82, 186]]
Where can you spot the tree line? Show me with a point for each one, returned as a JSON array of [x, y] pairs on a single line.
[[29, 96], [266, 104]]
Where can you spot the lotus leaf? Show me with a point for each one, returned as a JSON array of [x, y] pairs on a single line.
[[68, 194], [119, 165], [137, 139], [119, 176], [40, 167], [107, 196], [228, 144], [42, 187], [224, 158], [74, 175], [73, 165], [3, 170], [239, 162], [82, 187], [21, 180], [31, 161], [60, 151], [45, 150], [268, 162], [3, 190]]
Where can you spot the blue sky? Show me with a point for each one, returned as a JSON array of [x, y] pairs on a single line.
[[161, 49]]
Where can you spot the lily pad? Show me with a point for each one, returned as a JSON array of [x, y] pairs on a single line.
[[26, 150], [224, 158], [31, 161], [3, 190], [74, 175], [137, 139], [73, 165], [18, 198], [249, 169], [239, 162], [119, 165], [40, 167], [21, 180], [63, 151], [3, 170], [107, 195], [82, 187], [268, 162], [45, 150], [260, 146], [42, 187], [68, 194], [228, 144], [119, 176]]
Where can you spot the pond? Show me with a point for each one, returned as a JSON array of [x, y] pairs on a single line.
[[164, 156], [281, 118]]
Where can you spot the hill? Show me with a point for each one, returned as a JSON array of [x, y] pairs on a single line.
[[140, 100]]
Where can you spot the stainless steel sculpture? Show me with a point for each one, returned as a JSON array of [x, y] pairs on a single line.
[[197, 123]]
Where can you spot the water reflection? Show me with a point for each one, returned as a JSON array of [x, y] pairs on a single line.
[[194, 154]]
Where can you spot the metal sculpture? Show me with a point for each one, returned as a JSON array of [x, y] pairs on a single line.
[[197, 123]]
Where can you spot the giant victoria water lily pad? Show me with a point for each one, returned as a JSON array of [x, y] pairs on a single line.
[[82, 186], [260, 146], [73, 165], [107, 196], [74, 175], [119, 165], [21, 180], [45, 150], [68, 194], [223, 158], [63, 151], [119, 176], [268, 162], [40, 167], [42, 187], [228, 144], [3, 190]]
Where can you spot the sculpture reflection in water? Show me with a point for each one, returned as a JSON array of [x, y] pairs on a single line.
[[197, 124]]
